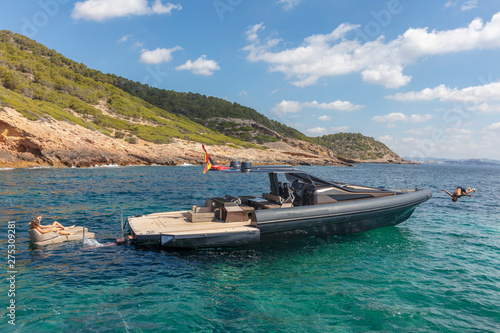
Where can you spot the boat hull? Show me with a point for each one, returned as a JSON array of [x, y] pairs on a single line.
[[269, 225], [339, 218]]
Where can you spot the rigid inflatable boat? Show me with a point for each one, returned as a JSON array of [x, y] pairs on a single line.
[[298, 205]]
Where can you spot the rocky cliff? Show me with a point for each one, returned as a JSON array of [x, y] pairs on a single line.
[[50, 142], [56, 112]]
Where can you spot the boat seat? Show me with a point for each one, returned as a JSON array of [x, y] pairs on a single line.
[[231, 212], [276, 199], [217, 202], [201, 209], [272, 197], [201, 213], [200, 216]]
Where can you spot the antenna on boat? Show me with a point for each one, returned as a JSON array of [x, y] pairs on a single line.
[[83, 239], [121, 218]]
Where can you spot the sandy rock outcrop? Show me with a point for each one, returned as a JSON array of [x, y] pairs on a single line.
[[48, 142]]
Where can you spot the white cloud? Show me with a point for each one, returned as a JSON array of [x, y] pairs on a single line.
[[421, 131], [288, 4], [323, 130], [386, 75], [158, 55], [493, 128], [398, 116], [379, 62], [458, 131], [473, 94], [485, 108], [339, 128], [243, 93], [131, 39], [138, 44], [251, 33], [468, 5], [317, 130], [293, 106], [336, 105], [201, 66], [420, 118], [387, 139], [391, 117], [447, 143], [450, 3], [285, 107], [124, 38], [324, 118], [101, 10]]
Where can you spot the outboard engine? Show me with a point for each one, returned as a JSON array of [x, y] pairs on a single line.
[[246, 166], [234, 165]]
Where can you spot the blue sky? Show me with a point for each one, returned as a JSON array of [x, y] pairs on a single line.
[[420, 76]]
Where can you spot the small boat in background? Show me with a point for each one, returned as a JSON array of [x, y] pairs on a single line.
[[298, 205]]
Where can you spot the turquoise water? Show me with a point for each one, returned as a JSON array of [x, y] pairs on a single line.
[[438, 271]]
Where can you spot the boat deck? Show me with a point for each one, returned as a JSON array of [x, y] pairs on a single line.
[[150, 228]]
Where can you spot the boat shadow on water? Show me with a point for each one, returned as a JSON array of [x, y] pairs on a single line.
[[383, 240]]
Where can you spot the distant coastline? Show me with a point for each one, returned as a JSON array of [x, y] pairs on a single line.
[[55, 143], [472, 161]]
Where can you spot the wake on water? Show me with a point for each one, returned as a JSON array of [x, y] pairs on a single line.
[[91, 243]]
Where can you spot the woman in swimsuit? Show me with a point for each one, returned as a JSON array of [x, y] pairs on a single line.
[[56, 226], [460, 192]]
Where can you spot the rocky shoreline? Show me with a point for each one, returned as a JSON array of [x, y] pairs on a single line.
[[50, 143]]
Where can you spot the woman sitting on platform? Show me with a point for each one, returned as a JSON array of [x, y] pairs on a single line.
[[56, 226]]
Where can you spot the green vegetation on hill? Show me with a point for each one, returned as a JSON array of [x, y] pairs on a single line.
[[355, 146], [38, 82], [201, 108], [194, 106]]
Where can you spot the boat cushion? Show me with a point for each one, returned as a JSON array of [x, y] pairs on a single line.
[[37, 236], [234, 213], [272, 197]]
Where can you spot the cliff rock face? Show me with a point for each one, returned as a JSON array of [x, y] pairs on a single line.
[[47, 142], [57, 112]]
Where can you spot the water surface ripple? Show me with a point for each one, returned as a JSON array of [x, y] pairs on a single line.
[[438, 271]]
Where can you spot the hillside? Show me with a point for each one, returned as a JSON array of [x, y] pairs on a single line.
[[193, 106], [54, 111], [358, 148], [38, 82]]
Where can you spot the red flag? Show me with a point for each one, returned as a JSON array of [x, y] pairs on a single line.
[[208, 165]]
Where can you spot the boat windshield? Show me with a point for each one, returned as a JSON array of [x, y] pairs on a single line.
[[307, 179]]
